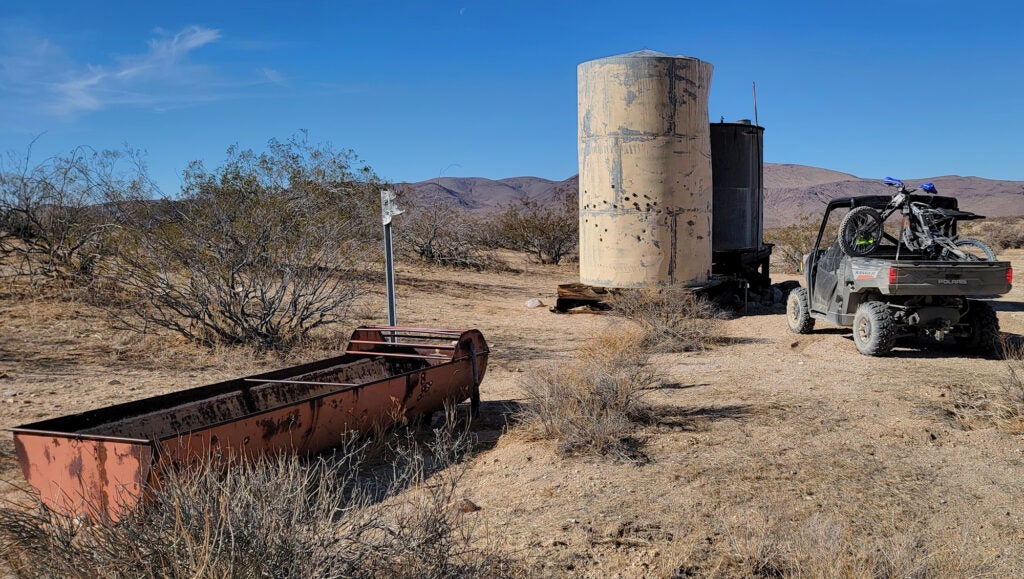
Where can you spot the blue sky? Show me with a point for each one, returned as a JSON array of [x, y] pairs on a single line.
[[911, 88]]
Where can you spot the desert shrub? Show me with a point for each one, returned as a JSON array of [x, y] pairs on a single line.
[[278, 517], [446, 236], [592, 403], [672, 318], [54, 224], [999, 233], [1011, 399], [985, 405], [549, 232], [260, 251], [793, 241]]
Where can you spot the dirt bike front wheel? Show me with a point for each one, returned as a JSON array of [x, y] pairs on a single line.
[[860, 231], [973, 250]]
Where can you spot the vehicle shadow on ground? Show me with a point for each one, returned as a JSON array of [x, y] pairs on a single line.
[[1007, 306], [834, 331], [925, 348], [754, 310]]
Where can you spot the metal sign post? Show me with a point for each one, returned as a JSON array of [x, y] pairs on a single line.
[[388, 209]]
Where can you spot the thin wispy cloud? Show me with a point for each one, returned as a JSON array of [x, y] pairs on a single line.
[[171, 71], [153, 78]]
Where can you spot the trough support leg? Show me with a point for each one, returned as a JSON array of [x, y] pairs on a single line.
[[474, 400]]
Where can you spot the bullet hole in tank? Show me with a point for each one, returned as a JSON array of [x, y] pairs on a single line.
[[638, 238], [691, 223], [614, 206], [606, 230], [700, 237], [636, 205]]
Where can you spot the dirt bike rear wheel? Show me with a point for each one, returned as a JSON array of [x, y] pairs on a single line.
[[974, 249], [860, 232]]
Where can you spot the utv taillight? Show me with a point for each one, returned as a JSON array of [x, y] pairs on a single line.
[[1009, 275], [892, 275]]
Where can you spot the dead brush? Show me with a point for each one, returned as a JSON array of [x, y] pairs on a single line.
[[280, 517], [1011, 411], [1000, 405], [766, 545], [592, 403], [672, 318]]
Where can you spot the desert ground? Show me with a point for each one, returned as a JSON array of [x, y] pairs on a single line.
[[771, 454]]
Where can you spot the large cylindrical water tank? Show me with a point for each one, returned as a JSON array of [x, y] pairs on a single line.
[[737, 167], [645, 170]]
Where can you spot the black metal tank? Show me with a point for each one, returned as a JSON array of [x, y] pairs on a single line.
[[737, 174]]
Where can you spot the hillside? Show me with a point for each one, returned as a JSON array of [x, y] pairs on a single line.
[[790, 191]]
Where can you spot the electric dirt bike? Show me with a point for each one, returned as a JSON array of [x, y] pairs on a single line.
[[924, 229]]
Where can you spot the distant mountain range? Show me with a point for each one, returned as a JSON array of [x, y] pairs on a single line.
[[790, 191]]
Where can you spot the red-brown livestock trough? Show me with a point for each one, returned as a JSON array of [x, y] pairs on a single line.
[[99, 462]]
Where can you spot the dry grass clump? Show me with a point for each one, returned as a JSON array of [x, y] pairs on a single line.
[[672, 318], [821, 546], [592, 403], [279, 517], [1000, 405]]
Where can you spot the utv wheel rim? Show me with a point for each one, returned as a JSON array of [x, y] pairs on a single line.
[[864, 330]]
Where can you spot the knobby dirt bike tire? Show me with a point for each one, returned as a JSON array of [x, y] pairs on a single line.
[[860, 231]]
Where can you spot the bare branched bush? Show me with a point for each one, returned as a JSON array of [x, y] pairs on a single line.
[[592, 403], [279, 517], [261, 251], [999, 232], [446, 236], [672, 318], [549, 232], [54, 221], [792, 242]]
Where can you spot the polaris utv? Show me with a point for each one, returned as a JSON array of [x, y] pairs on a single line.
[[895, 291]]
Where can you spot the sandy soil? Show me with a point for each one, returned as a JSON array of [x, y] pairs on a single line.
[[770, 450]]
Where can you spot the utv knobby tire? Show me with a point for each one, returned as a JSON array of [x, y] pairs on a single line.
[[860, 232], [983, 327], [798, 312], [967, 242], [874, 329]]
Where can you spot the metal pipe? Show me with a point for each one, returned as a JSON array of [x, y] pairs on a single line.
[[388, 209]]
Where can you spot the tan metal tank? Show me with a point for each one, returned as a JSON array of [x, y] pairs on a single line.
[[645, 170]]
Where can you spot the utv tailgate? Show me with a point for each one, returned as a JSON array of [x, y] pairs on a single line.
[[946, 278]]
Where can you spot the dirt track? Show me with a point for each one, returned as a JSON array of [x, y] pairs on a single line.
[[771, 447]]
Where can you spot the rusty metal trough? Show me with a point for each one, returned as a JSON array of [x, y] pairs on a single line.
[[99, 462]]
